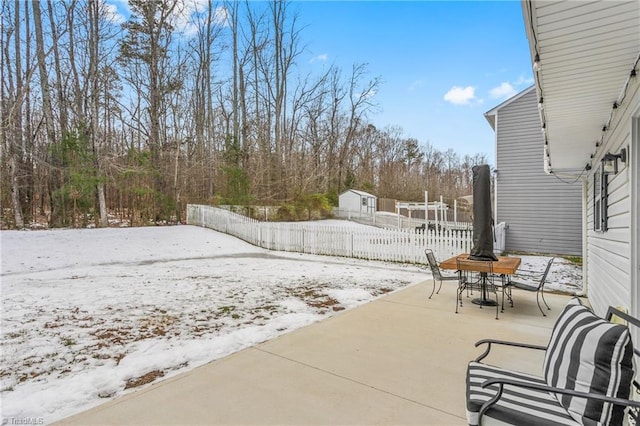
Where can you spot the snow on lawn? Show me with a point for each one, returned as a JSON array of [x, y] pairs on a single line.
[[564, 276], [88, 315]]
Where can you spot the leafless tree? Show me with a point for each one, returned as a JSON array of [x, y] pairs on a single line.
[[136, 120]]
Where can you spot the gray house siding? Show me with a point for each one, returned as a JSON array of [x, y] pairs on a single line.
[[543, 213], [609, 253]]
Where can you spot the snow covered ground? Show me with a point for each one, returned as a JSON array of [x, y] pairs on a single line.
[[88, 315]]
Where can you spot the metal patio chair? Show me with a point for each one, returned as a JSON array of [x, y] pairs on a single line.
[[538, 288], [437, 274]]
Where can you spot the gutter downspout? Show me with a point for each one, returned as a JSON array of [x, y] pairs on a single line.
[[634, 188], [495, 176], [585, 274]]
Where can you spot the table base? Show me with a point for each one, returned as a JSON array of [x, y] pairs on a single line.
[[484, 302]]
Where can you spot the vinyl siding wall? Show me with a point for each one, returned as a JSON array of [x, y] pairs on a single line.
[[543, 213], [608, 253], [353, 201]]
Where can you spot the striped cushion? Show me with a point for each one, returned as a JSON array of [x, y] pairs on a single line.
[[589, 354], [517, 406]]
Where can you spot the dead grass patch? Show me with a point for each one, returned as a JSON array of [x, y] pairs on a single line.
[[145, 379]]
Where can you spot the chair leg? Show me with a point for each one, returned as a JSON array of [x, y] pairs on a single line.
[[506, 289], [507, 286], [543, 299], [459, 297], [439, 287], [540, 307], [434, 287]]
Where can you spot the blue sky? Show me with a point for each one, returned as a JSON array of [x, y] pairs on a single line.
[[442, 64]]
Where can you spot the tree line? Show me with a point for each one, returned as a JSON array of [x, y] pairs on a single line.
[[133, 119]]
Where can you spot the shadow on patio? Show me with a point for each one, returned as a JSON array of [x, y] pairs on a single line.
[[400, 359]]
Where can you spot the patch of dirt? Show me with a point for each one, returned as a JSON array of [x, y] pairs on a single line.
[[326, 302], [112, 335], [143, 380], [316, 299]]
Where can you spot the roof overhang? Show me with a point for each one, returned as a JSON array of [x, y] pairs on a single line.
[[586, 51]]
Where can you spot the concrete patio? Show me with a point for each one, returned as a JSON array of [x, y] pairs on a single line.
[[398, 360]]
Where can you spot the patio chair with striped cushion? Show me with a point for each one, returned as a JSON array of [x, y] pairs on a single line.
[[588, 378]]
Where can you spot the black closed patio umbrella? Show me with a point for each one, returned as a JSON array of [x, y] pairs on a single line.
[[482, 217]]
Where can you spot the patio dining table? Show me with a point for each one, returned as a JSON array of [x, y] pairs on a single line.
[[505, 266]]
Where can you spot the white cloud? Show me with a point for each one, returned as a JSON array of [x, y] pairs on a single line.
[[111, 12], [186, 14], [460, 95], [416, 85], [184, 11], [221, 16], [505, 90], [523, 80], [321, 58]]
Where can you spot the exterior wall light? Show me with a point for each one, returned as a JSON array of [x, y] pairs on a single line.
[[610, 161]]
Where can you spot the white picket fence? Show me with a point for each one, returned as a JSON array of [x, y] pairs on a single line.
[[394, 245], [392, 220]]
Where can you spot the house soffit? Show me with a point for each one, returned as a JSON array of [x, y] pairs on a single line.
[[586, 53]]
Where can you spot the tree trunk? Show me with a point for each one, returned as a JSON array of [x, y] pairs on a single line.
[[235, 91], [16, 96], [28, 145], [15, 193], [62, 104], [94, 78], [55, 180]]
